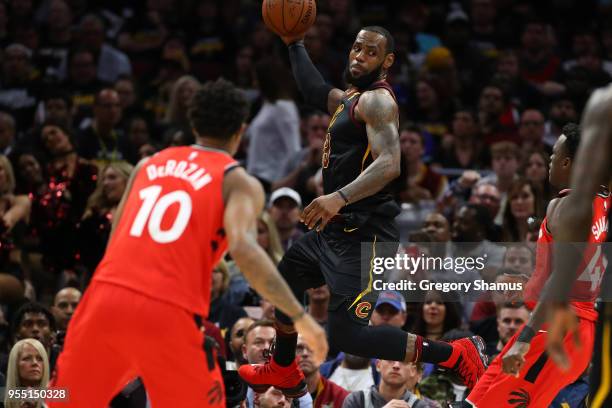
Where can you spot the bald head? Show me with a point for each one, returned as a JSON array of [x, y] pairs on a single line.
[[64, 305]]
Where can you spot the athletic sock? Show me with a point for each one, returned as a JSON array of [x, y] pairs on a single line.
[[434, 352], [284, 349]]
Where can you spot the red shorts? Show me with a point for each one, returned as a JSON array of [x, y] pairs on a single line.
[[116, 335], [540, 380]]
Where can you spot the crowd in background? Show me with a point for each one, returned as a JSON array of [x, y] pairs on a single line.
[[89, 87]]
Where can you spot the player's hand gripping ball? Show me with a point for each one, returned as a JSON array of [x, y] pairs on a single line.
[[289, 18]]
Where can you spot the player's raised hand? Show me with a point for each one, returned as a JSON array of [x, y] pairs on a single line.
[[562, 320], [291, 39], [314, 335], [514, 359], [321, 210]]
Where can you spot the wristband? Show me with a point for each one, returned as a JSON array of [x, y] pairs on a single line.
[[346, 200], [526, 335]]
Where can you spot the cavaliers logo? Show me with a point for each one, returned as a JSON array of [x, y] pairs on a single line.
[[362, 310], [521, 398]]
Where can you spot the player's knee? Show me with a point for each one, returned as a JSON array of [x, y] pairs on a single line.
[[347, 337]]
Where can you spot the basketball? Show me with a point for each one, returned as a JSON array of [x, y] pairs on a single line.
[[289, 17]]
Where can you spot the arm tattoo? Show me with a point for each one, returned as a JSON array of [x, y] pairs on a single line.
[[379, 111]]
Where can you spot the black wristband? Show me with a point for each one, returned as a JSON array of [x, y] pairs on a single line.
[[526, 334], [346, 200]]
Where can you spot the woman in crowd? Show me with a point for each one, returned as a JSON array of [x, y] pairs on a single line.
[[28, 367], [71, 180], [94, 228], [535, 169], [176, 116], [437, 314], [522, 204], [223, 313]]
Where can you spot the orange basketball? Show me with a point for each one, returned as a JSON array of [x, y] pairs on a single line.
[[289, 17]]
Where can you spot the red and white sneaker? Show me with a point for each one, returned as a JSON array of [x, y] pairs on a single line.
[[260, 377], [468, 360]]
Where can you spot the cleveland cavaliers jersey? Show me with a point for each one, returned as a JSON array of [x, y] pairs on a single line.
[[347, 153], [591, 268], [170, 234]]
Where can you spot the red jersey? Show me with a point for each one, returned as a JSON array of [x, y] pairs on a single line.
[[170, 235], [590, 272]]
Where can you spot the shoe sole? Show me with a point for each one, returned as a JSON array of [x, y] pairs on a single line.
[[293, 392]]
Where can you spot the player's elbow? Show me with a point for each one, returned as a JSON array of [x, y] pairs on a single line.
[[240, 249]]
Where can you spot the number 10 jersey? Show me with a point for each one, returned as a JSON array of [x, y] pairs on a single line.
[[170, 235]]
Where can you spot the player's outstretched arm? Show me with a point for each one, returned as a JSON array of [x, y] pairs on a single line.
[[313, 87], [379, 112], [244, 200]]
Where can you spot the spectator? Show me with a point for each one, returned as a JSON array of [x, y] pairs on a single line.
[[140, 144], [19, 92], [57, 39], [497, 117], [433, 111], [176, 116], [535, 170], [487, 195], [522, 92], [436, 315], [318, 303], [325, 393], [272, 398], [396, 380], [505, 161], [274, 133], [111, 63], [390, 309], [64, 305], [285, 205], [462, 149], [510, 318], [236, 340], [95, 226], [539, 64], [300, 169], [34, 321], [28, 367], [422, 183], [520, 258], [522, 204], [103, 141], [562, 111], [81, 83], [222, 312], [353, 373], [531, 130]]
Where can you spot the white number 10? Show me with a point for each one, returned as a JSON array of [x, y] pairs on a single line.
[[156, 209]]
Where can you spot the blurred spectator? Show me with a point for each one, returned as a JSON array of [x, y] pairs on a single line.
[[522, 204], [531, 130], [285, 206], [486, 194], [318, 303], [462, 149], [222, 312], [397, 380], [390, 309], [57, 39], [300, 169], [272, 398], [103, 141], [81, 83], [422, 182], [95, 226], [274, 133], [19, 90], [505, 160], [522, 92], [64, 305], [178, 107], [437, 314], [510, 318], [484, 15], [325, 393], [111, 63], [353, 373], [71, 180], [562, 111], [520, 258], [139, 140], [535, 170], [432, 109], [497, 117], [539, 64], [34, 321], [242, 74], [28, 367], [236, 340]]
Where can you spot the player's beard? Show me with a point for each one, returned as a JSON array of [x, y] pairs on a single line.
[[364, 81]]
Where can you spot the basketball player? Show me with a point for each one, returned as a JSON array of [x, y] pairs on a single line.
[[593, 166], [182, 209], [523, 374], [361, 156]]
